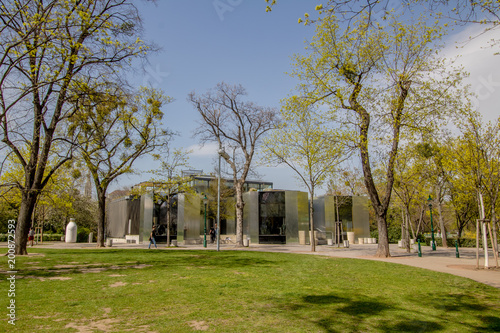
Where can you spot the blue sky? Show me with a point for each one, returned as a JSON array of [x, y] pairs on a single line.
[[236, 41], [203, 45]]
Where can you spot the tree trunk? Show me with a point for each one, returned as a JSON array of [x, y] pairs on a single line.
[[410, 222], [422, 210], [239, 213], [407, 232], [101, 222], [441, 219], [383, 236], [168, 220], [24, 221], [311, 218], [494, 231]]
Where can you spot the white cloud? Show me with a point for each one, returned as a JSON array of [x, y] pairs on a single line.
[[478, 59], [206, 150]]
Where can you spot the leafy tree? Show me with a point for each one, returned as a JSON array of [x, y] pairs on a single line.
[[238, 126], [112, 131], [46, 49], [410, 179], [478, 152], [382, 81], [347, 181], [305, 144]]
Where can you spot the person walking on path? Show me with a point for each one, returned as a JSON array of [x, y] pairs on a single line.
[[31, 236], [212, 235], [152, 239]]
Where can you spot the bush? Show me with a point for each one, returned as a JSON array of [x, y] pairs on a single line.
[[46, 237], [52, 237], [82, 235]]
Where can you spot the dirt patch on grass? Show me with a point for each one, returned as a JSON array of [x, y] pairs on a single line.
[[61, 278], [198, 325], [103, 325], [118, 284]]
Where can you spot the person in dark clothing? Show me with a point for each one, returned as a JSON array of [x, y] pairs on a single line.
[[152, 239], [212, 234]]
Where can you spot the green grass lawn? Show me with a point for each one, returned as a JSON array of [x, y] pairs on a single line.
[[123, 290]]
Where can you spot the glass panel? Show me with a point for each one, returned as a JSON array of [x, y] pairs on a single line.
[[360, 216], [146, 217], [251, 216]]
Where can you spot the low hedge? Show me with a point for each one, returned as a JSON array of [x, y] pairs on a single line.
[[46, 237]]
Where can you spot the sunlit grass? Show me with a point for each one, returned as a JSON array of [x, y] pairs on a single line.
[[118, 290]]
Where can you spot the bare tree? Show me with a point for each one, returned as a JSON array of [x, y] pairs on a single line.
[[237, 126]]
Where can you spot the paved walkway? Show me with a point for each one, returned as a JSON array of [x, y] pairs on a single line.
[[441, 260]]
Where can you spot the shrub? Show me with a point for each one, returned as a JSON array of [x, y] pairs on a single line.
[[82, 235], [46, 237]]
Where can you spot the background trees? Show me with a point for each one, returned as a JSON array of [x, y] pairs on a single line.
[[237, 126], [48, 49], [112, 130]]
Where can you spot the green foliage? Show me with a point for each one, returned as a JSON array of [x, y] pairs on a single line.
[[82, 235], [305, 143], [47, 237]]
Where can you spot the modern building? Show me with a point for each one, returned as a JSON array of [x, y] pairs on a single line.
[[270, 216], [131, 219], [275, 217]]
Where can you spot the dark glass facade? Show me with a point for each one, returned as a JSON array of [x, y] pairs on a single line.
[[272, 223]]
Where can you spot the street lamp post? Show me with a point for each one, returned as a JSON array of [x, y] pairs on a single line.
[[432, 225], [205, 200], [221, 153]]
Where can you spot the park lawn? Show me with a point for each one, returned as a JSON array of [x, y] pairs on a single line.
[[135, 290]]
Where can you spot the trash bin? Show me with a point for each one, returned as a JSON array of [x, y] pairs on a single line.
[[346, 243], [246, 242], [350, 237], [109, 242], [329, 242]]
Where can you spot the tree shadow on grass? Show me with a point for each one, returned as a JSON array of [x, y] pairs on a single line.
[[83, 261], [352, 313], [453, 306]]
